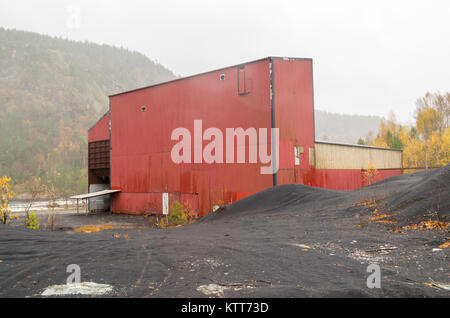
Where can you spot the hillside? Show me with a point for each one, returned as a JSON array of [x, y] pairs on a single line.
[[343, 127], [51, 91]]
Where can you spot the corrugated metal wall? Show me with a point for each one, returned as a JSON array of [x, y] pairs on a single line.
[[100, 130], [294, 116], [344, 179], [268, 93], [335, 156], [141, 164], [98, 156]]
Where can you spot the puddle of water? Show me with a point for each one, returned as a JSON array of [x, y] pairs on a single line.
[[212, 289], [444, 286], [20, 206], [218, 290], [85, 288]]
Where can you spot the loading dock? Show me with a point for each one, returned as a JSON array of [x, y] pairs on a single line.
[[87, 196]]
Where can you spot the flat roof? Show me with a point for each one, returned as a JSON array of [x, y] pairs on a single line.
[[93, 194], [215, 70], [354, 145]]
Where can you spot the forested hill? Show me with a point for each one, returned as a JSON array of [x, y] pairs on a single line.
[[51, 91], [345, 128]]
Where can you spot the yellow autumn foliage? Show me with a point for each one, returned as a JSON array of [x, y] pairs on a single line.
[[93, 228], [427, 143], [6, 194], [370, 172]]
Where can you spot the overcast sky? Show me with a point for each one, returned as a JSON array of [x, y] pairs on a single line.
[[370, 57]]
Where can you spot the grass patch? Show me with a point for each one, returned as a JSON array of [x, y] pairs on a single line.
[[378, 217], [427, 225], [93, 228]]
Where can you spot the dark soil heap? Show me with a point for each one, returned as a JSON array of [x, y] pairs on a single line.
[[287, 241]]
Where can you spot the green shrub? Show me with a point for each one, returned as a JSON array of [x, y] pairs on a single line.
[[32, 221], [180, 214]]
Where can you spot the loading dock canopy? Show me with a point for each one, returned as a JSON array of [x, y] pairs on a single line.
[[86, 196], [93, 194]]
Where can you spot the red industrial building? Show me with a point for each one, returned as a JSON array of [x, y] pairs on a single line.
[[130, 146]]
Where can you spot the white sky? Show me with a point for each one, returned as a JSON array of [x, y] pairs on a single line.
[[370, 57]]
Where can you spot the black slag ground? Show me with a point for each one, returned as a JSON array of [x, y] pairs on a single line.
[[287, 241]]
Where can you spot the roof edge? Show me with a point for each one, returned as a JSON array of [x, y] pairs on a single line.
[[215, 70], [354, 145], [98, 120]]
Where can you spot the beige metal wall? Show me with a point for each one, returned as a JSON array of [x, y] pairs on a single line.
[[337, 156]]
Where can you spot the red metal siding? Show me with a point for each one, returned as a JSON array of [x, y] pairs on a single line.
[[294, 115], [100, 131], [142, 122], [341, 179], [141, 141]]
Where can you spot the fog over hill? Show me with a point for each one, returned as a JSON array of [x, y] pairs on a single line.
[[52, 90], [344, 127]]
